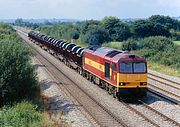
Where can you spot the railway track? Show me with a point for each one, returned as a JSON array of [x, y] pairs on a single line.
[[154, 122], [164, 119], [171, 85], [165, 79], [139, 113], [97, 111]]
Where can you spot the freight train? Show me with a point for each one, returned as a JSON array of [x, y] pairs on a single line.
[[120, 73]]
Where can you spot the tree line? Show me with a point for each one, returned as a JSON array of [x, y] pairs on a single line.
[[111, 29], [151, 38]]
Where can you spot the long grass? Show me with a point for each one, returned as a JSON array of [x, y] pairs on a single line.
[[177, 42]]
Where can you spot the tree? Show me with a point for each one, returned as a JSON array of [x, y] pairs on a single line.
[[117, 30], [19, 21], [84, 26], [95, 35], [166, 21], [74, 33], [145, 28]]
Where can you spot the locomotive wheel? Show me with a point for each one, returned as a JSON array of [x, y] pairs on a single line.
[[80, 71], [91, 78], [87, 76], [94, 80], [106, 87], [84, 74], [110, 91], [114, 94]]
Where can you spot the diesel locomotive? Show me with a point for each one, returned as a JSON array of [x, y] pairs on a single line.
[[120, 73]]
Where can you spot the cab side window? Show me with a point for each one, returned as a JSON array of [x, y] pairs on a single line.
[[114, 68]]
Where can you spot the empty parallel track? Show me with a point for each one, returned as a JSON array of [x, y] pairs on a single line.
[[170, 83], [150, 109], [167, 93]]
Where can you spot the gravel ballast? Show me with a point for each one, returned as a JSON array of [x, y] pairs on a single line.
[[58, 101]]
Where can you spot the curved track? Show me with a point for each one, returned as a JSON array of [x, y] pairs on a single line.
[[98, 112]]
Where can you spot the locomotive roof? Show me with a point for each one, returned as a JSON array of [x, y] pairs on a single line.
[[111, 54]]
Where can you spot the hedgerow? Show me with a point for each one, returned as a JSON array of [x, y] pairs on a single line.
[[17, 75]]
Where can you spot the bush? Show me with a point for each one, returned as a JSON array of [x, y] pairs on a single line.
[[23, 114], [130, 45], [17, 76], [158, 43], [157, 49]]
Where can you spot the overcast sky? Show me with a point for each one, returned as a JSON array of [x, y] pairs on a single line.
[[87, 9]]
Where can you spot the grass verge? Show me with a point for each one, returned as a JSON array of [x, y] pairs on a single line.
[[163, 69], [23, 114]]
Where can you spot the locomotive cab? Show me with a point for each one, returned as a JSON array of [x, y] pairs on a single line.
[[132, 76]]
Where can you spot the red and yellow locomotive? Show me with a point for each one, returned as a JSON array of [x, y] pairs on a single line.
[[117, 71]]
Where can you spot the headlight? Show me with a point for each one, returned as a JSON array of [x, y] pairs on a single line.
[[143, 83], [122, 84]]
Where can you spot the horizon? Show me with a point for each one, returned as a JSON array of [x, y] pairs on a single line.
[[178, 16]]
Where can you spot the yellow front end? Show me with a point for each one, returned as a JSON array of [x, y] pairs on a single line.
[[132, 84], [132, 80]]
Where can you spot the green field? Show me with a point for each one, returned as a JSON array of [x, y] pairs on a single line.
[[116, 45], [177, 42]]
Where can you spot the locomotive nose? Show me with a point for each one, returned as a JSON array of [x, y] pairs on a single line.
[[133, 80]]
